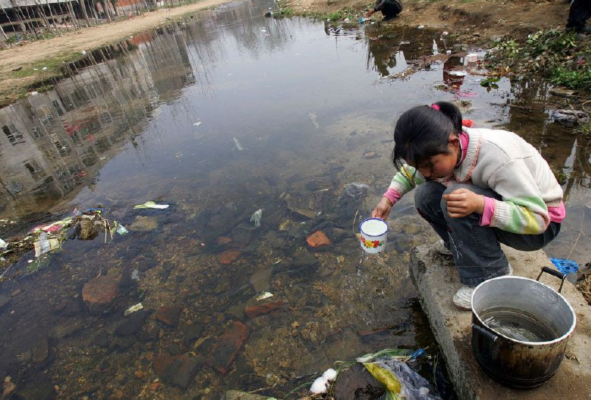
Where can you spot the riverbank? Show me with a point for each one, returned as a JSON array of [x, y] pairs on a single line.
[[479, 19], [22, 66]]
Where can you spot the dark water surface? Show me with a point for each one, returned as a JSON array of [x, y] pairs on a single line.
[[219, 116]]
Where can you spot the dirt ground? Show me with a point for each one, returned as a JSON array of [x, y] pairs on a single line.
[[476, 20], [484, 17]]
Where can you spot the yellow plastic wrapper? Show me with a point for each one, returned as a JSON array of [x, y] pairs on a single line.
[[385, 377]]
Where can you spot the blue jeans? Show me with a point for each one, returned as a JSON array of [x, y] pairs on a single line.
[[476, 249]]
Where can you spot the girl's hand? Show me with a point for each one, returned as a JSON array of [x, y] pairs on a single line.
[[463, 202], [382, 210], [369, 14]]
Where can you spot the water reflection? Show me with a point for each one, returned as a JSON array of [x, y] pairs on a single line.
[[221, 115]]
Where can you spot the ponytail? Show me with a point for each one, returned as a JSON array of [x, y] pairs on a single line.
[[452, 112]]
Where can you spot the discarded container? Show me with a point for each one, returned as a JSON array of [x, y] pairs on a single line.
[[472, 57], [374, 232], [3, 244], [44, 245]]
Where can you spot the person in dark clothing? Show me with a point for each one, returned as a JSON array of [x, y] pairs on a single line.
[[389, 8], [580, 11]]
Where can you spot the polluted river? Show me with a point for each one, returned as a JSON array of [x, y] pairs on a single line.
[[262, 144]]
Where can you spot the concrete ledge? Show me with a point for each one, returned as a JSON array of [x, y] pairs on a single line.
[[437, 280]]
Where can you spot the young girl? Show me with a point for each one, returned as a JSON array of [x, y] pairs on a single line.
[[478, 188]]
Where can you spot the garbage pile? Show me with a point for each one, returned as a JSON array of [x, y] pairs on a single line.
[[385, 375], [49, 237]]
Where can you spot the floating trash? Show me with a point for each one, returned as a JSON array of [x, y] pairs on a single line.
[[264, 295], [3, 244], [256, 217], [197, 123], [313, 119], [133, 309], [120, 229], [238, 145], [135, 275], [151, 204], [44, 244]]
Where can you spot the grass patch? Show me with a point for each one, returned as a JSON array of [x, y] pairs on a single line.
[[555, 54]]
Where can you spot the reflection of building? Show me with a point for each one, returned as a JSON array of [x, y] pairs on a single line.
[[52, 144]]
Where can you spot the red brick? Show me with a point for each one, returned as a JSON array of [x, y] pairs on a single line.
[[227, 347], [318, 239]]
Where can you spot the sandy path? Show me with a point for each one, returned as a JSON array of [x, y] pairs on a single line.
[[85, 39]]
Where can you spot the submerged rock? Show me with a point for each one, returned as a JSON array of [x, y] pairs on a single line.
[[358, 384], [238, 395], [41, 351], [170, 315], [227, 346], [144, 224], [193, 332], [37, 390], [229, 256], [244, 233], [255, 307], [99, 293], [4, 300], [132, 324], [177, 370], [318, 239], [349, 203]]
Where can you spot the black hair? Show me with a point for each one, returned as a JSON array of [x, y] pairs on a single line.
[[423, 132]]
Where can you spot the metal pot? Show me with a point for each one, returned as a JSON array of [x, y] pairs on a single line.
[[520, 358]]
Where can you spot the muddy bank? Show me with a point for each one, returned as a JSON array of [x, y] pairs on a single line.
[[479, 19]]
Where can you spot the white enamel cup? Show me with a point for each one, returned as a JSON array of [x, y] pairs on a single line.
[[373, 235]]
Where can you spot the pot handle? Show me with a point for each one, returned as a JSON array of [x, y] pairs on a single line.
[[557, 274], [485, 332]]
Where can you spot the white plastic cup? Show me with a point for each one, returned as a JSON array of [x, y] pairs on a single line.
[[373, 235], [472, 57]]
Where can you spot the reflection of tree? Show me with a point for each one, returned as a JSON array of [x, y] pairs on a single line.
[[381, 51]]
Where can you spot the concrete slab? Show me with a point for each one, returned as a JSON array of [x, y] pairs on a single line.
[[437, 280]]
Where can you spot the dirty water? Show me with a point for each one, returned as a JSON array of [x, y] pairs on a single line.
[[220, 116]]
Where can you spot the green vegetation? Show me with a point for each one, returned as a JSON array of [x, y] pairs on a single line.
[[558, 55]]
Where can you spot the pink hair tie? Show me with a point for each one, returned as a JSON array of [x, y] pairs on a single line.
[[435, 107]]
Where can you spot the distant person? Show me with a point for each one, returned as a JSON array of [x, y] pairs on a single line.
[[389, 8], [477, 188], [580, 11]]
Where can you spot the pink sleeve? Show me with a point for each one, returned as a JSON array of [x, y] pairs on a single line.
[[557, 214], [392, 195], [488, 212]]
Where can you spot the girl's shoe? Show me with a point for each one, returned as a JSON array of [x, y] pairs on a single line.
[[440, 248], [463, 297]]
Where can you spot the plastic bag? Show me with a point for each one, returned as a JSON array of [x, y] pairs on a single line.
[[412, 385]]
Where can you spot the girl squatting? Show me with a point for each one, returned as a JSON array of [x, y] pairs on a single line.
[[477, 188]]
